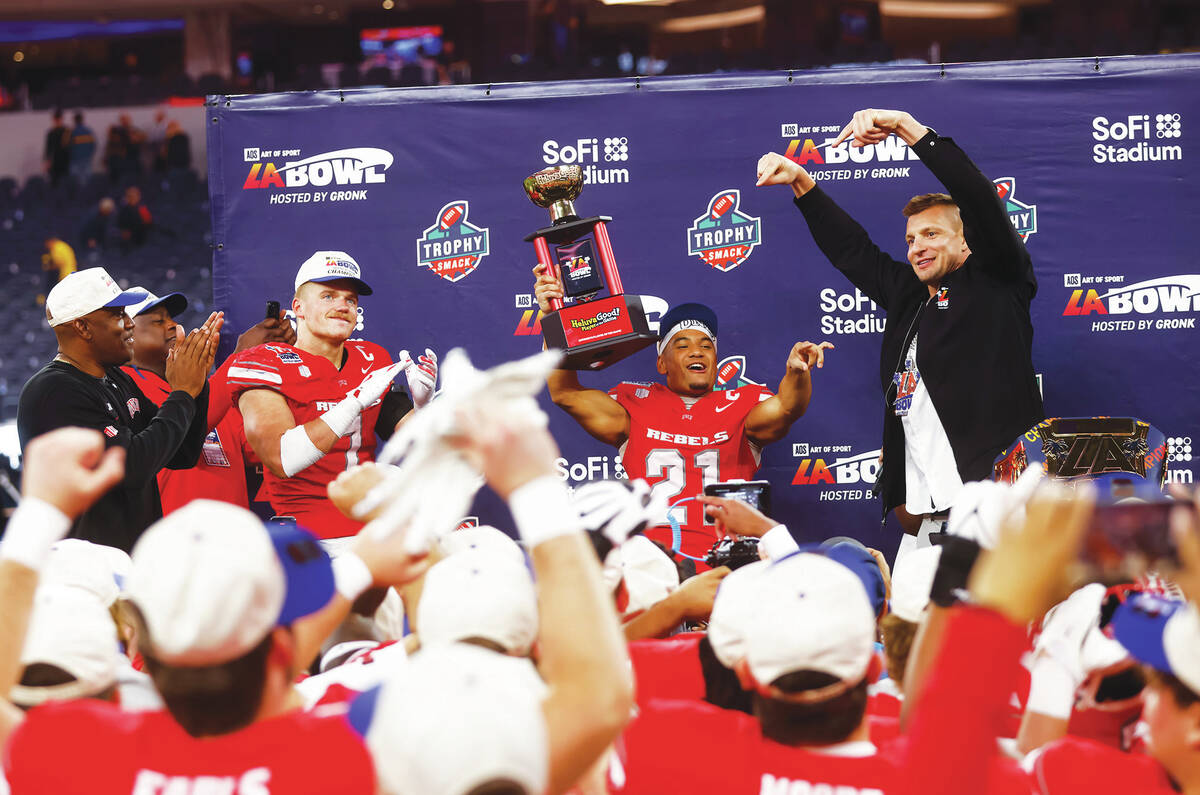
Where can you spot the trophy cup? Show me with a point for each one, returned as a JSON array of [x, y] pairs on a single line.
[[595, 332]]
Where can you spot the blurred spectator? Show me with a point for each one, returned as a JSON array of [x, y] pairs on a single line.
[[123, 149], [133, 219], [455, 68], [431, 70], [81, 148], [94, 235], [58, 262], [54, 156], [157, 141], [177, 149]]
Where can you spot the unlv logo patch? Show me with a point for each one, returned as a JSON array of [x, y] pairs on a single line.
[[133, 406]]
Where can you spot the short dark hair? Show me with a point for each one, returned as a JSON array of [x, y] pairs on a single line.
[[898, 637], [921, 203], [722, 688], [501, 786], [40, 674], [818, 723], [208, 700], [1184, 696]]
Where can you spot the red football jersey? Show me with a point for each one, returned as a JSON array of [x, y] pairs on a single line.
[[667, 668], [220, 473], [682, 746], [147, 753], [311, 385], [1073, 765], [679, 450]]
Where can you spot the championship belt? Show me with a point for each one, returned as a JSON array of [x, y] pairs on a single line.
[[594, 331]]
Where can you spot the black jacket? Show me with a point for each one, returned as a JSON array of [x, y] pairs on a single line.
[[975, 355], [171, 436]]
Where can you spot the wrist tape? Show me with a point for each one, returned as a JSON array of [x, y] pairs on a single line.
[[33, 529], [351, 576], [542, 510]]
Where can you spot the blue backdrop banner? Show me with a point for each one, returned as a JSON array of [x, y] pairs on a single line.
[[1094, 159]]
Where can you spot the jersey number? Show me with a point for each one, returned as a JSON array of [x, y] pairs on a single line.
[[669, 464]]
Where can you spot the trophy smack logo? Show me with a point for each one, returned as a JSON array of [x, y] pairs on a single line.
[[731, 373], [724, 236], [453, 247], [1023, 216], [342, 167]]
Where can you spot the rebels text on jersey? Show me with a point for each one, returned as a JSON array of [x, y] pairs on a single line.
[[680, 449], [311, 385]]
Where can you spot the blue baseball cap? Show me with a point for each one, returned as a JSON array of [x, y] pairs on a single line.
[[1162, 633]]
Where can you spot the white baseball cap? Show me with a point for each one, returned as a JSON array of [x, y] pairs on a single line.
[[86, 291], [912, 580], [485, 537], [70, 629], [328, 266], [174, 303], [736, 603], [642, 573], [813, 615], [211, 580], [1162, 633], [95, 568], [453, 718], [476, 593]]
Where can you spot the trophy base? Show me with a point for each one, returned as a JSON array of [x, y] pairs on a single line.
[[598, 333]]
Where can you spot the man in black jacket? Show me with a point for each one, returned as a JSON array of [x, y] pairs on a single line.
[[955, 364], [84, 386]]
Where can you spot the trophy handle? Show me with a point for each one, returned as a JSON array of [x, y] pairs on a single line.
[[608, 260], [543, 254]]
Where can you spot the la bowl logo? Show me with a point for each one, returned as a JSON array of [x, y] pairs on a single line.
[[724, 236], [1023, 216], [453, 247], [356, 166]]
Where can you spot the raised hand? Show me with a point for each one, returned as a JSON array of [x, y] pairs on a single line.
[[546, 287], [806, 355], [421, 375], [70, 469], [192, 356], [873, 125]]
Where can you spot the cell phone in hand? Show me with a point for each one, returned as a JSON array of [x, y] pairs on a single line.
[[1130, 536], [272, 310], [755, 493]]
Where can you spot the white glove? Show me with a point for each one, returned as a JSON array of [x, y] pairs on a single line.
[[375, 384], [618, 509], [422, 376], [1066, 627], [981, 508]]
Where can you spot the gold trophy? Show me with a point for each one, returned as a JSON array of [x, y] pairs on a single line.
[[595, 331]]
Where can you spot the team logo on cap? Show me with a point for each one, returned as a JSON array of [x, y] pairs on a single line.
[[724, 236], [453, 247]]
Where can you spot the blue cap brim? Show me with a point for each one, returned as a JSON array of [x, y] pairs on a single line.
[[127, 298], [1138, 625], [362, 287], [362, 710], [174, 303], [307, 571], [689, 311]]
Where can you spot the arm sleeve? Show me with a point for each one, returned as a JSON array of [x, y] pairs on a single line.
[[188, 452], [953, 735], [989, 233], [396, 403], [220, 394], [848, 246]]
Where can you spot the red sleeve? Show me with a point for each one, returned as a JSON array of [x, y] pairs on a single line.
[[253, 368], [953, 734], [220, 395]]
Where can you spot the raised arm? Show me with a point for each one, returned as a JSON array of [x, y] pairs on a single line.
[[596, 412], [771, 419]]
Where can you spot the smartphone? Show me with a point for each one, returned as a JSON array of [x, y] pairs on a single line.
[[1130, 536], [272, 310], [755, 493]]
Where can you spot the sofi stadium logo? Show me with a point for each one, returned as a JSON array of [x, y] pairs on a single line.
[[1137, 138], [1123, 308], [590, 154], [848, 475], [724, 236], [339, 168], [453, 247]]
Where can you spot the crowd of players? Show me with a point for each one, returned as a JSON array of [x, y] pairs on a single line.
[[158, 637]]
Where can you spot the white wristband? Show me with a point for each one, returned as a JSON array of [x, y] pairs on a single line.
[[1051, 689], [542, 510], [342, 416], [33, 529], [296, 451], [778, 542], [351, 576]]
